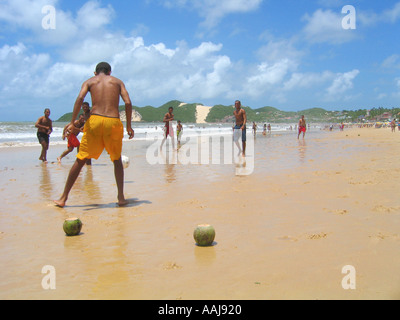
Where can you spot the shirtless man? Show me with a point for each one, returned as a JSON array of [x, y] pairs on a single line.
[[254, 128], [241, 120], [393, 125], [179, 131], [104, 128], [168, 128], [302, 127], [86, 110], [45, 128], [72, 132]]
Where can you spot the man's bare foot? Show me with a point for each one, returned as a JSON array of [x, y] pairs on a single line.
[[59, 160], [122, 203], [59, 203]]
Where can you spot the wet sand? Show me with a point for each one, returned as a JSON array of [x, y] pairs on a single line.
[[284, 232]]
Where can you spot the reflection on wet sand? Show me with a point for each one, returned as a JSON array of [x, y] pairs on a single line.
[[302, 150], [91, 187], [46, 185], [205, 256]]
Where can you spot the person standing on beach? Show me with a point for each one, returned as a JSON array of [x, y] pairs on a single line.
[[72, 132], [86, 110], [45, 128], [179, 131], [169, 131], [254, 128], [241, 120], [393, 125], [104, 130], [302, 127]]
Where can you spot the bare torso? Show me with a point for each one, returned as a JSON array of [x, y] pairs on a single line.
[[44, 122], [105, 92], [239, 115]]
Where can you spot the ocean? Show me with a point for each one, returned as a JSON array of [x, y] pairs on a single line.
[[22, 134]]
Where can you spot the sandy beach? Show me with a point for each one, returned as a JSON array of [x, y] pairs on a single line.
[[284, 232]]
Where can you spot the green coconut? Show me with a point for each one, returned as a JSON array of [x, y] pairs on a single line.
[[204, 235], [72, 227]]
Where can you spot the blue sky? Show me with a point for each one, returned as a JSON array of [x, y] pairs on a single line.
[[289, 54]]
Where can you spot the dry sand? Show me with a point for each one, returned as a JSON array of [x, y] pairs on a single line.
[[285, 232], [202, 113]]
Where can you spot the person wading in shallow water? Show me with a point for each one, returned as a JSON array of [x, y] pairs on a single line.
[[302, 127], [104, 128], [241, 120], [45, 128]]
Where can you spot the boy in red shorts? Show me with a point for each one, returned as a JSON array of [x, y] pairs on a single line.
[[72, 132], [302, 127]]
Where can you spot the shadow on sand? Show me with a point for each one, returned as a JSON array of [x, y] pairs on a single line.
[[132, 203]]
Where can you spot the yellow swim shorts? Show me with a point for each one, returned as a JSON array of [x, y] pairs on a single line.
[[99, 133]]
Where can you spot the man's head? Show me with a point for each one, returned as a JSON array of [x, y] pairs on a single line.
[[47, 112], [85, 107], [238, 104], [170, 109], [103, 67], [81, 118]]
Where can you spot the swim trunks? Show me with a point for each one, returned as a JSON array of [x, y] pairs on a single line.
[[302, 129], [43, 137], [244, 136], [101, 133], [73, 141], [169, 131]]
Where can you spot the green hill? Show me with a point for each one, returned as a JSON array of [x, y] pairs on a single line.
[[221, 113]]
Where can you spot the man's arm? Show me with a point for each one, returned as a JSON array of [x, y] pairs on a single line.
[[128, 110], [50, 128], [79, 101], [167, 118], [244, 119], [39, 125]]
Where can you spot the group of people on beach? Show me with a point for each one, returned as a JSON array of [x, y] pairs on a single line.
[[103, 129]]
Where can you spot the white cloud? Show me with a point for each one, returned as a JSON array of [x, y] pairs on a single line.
[[392, 62], [307, 80], [371, 18], [213, 11], [342, 83], [266, 77], [92, 17], [326, 26], [27, 14]]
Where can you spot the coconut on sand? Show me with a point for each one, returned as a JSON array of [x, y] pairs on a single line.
[[204, 235]]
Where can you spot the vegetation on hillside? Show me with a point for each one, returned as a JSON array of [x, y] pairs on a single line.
[[222, 113]]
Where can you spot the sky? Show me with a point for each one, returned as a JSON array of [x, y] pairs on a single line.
[[289, 54]]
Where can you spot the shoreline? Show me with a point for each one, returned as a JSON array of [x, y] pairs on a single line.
[[284, 232]]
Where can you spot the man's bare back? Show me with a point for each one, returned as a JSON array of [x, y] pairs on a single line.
[[105, 92]]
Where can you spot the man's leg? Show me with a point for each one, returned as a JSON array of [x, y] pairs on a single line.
[[43, 155], [73, 175], [65, 153], [119, 178], [162, 143]]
